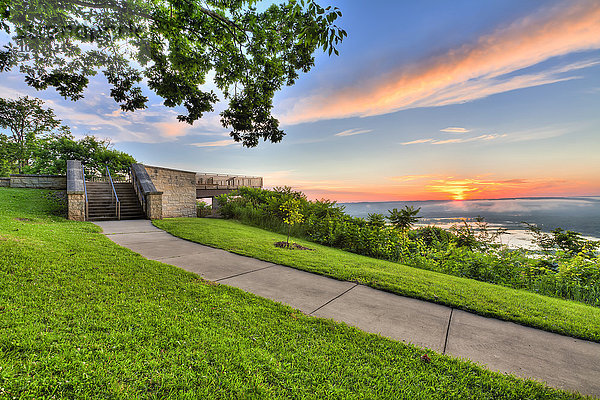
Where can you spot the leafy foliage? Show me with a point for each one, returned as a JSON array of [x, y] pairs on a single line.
[[28, 123], [290, 211], [203, 209], [40, 144], [95, 154], [174, 45], [405, 218]]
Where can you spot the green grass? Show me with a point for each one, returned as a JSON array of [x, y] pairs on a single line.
[[548, 313], [81, 317]]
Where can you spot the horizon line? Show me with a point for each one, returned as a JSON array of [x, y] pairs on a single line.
[[499, 198]]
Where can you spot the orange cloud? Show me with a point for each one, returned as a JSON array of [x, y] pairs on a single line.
[[469, 72], [216, 143], [172, 129], [455, 129]]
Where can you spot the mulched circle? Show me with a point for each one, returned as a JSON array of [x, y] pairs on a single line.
[[293, 246], [22, 219]]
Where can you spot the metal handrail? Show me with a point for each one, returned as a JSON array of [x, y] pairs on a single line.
[[138, 189], [85, 191], [114, 192]]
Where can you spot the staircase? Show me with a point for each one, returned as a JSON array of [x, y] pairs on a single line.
[[101, 203]]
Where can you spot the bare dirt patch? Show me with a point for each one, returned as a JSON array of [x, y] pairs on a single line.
[[292, 246]]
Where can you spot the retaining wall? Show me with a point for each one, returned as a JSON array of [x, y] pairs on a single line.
[[50, 182], [178, 191]]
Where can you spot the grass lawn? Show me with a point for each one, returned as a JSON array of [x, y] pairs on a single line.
[[81, 317], [548, 313]]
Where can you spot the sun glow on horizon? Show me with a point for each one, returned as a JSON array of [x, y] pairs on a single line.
[[431, 187]]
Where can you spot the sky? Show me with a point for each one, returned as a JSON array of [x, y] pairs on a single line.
[[428, 100]]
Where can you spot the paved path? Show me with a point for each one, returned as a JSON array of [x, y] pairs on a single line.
[[561, 361]]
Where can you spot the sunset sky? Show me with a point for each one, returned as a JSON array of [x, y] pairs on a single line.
[[427, 100]]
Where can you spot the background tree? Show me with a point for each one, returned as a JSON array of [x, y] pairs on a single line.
[[95, 154], [28, 123], [405, 218], [376, 220], [173, 44]]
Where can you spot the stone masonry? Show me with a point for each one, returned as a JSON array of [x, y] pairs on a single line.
[[50, 182], [178, 188], [75, 191]]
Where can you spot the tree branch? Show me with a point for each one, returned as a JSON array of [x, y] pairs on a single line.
[[111, 6], [115, 7]]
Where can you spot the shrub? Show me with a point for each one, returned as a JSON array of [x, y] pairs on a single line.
[[203, 209]]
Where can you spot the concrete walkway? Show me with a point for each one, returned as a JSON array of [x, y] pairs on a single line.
[[560, 361]]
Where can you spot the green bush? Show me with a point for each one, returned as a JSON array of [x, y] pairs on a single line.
[[203, 209]]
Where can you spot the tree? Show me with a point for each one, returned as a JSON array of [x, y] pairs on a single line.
[[290, 210], [173, 44], [405, 218], [95, 154], [376, 220], [28, 123]]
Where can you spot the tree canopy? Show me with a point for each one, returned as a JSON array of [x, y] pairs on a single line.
[[51, 156], [405, 218], [28, 123], [173, 45], [39, 143]]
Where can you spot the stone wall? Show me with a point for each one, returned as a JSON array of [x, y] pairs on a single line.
[[51, 182], [178, 191], [4, 182]]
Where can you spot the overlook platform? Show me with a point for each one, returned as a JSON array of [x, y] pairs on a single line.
[[210, 185]]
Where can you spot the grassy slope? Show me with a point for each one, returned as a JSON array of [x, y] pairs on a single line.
[[82, 317], [555, 315]]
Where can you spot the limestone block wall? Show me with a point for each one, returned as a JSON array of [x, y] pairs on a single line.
[[50, 182], [4, 182], [178, 191]]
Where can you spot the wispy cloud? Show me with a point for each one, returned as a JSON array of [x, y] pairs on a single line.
[[455, 129], [216, 143], [488, 66], [418, 141], [456, 140], [352, 132], [409, 178]]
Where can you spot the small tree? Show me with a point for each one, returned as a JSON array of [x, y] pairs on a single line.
[[376, 220], [290, 210], [405, 218], [28, 122]]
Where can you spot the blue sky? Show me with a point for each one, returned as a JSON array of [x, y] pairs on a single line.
[[427, 100]]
